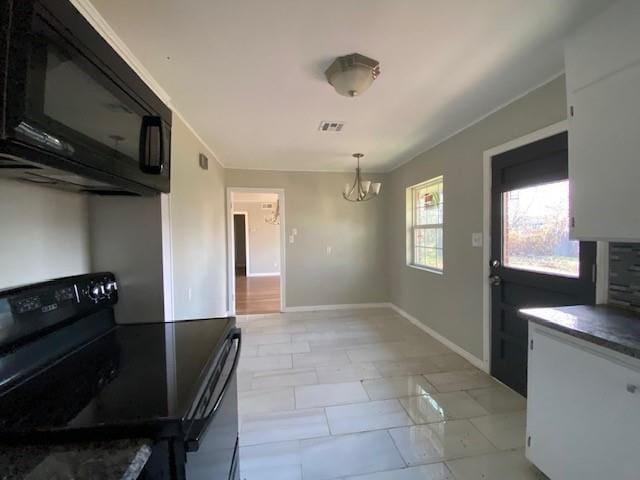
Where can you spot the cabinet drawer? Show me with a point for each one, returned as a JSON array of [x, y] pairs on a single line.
[[582, 412]]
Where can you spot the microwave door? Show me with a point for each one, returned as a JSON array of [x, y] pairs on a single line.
[[77, 109]]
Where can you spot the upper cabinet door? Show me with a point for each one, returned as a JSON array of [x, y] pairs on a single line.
[[606, 44], [603, 94]]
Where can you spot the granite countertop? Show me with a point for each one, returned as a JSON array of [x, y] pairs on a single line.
[[603, 325], [113, 460]]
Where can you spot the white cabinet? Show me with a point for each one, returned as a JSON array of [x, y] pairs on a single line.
[[603, 94], [583, 409]]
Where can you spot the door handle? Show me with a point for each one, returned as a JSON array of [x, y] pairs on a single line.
[[495, 280], [151, 145]]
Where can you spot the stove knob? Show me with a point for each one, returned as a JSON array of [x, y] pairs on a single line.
[[111, 287], [95, 291]]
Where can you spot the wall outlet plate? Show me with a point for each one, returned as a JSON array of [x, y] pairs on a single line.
[[476, 240]]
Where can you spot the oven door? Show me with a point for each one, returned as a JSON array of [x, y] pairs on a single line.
[[70, 106], [213, 437]]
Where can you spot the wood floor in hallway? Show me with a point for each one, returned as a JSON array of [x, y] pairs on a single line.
[[257, 294]]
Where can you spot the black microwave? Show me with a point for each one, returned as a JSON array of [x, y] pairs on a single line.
[[74, 114]]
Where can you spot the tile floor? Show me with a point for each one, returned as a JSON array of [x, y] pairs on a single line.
[[364, 394]]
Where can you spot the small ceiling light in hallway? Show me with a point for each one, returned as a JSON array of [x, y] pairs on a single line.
[[352, 74], [361, 190], [274, 218]]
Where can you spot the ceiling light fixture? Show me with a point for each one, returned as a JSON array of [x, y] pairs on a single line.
[[361, 190], [352, 74]]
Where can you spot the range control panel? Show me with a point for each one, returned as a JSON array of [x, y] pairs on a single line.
[[27, 310]]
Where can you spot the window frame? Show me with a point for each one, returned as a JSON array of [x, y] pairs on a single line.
[[412, 226]]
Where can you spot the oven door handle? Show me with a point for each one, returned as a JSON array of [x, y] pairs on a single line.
[[193, 442]]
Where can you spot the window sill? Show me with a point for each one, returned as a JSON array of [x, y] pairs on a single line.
[[425, 269]]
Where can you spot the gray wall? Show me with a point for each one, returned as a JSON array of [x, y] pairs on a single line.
[[126, 239], [354, 271], [198, 232], [451, 303], [43, 233], [264, 239]]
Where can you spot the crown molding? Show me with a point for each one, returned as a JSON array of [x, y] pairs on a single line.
[[98, 22]]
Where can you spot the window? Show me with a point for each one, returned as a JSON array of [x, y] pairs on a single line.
[[425, 208], [535, 230]]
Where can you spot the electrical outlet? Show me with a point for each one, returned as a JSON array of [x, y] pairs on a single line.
[[329, 249], [476, 239], [294, 231], [292, 239]]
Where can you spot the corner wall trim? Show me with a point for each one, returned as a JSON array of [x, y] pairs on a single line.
[[343, 306], [475, 361]]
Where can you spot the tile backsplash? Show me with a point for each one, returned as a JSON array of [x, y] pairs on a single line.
[[624, 275]]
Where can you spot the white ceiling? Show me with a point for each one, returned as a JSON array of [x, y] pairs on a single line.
[[248, 74]]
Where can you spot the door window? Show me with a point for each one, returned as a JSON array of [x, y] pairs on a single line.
[[535, 234]]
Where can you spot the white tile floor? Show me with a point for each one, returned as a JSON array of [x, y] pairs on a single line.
[[365, 395]]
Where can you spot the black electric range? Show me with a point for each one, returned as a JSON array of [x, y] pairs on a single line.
[[69, 372]]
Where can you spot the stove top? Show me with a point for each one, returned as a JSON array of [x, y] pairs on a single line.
[[142, 375]]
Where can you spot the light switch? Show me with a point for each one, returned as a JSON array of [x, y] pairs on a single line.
[[476, 239], [294, 231], [292, 239], [329, 249]]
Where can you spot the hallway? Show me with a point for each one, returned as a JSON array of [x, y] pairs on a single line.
[[257, 294]]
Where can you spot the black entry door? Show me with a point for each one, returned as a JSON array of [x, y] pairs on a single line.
[[533, 261]]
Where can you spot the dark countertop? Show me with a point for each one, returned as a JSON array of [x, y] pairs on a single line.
[[113, 460], [603, 325]]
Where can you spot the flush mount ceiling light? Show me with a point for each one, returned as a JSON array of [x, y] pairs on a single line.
[[352, 74], [361, 190]]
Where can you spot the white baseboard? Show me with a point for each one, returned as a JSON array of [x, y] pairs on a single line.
[[475, 361], [343, 306], [267, 274]]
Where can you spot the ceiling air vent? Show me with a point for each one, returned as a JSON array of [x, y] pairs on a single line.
[[331, 126]]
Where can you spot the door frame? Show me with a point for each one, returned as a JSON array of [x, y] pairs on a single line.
[[231, 261], [602, 264], [246, 242]]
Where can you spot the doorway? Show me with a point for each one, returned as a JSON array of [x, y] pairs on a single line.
[[240, 226], [256, 256], [533, 262]]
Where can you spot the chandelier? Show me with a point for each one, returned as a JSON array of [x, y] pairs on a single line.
[[274, 218], [361, 190]]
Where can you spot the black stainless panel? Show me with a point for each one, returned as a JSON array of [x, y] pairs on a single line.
[[154, 374], [71, 105]]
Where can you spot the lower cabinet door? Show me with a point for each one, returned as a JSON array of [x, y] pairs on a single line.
[[583, 409]]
